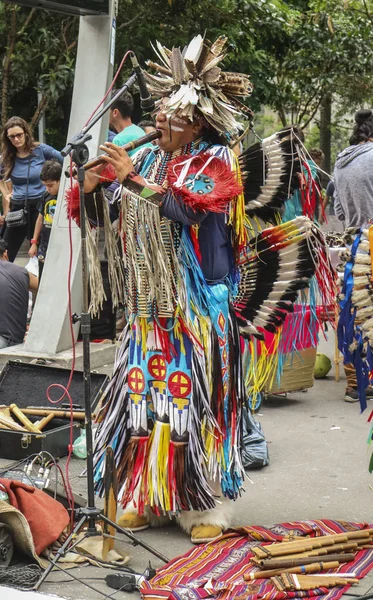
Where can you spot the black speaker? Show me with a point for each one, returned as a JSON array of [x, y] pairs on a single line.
[[69, 7]]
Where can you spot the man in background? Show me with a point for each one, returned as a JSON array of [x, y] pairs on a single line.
[[15, 284], [120, 120]]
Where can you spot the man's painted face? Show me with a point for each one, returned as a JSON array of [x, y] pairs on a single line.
[[176, 131]]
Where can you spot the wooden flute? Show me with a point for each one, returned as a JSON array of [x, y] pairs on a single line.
[[95, 162], [296, 562], [63, 414], [302, 569], [23, 419], [307, 544]]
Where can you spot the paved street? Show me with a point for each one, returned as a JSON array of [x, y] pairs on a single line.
[[319, 469]]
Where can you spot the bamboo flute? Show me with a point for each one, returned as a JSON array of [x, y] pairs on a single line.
[[24, 420], [8, 423], [332, 549], [309, 582], [308, 544], [44, 421], [277, 549], [311, 568], [63, 414], [277, 563]]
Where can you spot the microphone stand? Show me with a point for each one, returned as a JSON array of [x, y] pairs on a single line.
[[89, 515]]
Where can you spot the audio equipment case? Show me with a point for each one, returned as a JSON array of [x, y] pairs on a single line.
[[25, 385]]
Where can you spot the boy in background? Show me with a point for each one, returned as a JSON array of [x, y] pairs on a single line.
[[50, 176]]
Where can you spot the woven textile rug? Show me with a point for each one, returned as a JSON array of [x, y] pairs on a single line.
[[216, 570]]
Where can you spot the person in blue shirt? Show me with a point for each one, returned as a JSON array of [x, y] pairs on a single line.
[[21, 162], [120, 120]]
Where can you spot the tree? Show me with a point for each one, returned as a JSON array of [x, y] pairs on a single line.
[[38, 55], [299, 53]]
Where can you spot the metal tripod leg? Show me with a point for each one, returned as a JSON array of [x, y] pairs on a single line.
[[61, 551], [88, 517]]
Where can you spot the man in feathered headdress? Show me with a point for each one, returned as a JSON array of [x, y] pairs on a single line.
[[172, 410]]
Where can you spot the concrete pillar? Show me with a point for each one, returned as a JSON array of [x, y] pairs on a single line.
[[49, 331]]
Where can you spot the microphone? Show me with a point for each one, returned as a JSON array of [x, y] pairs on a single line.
[[95, 162], [146, 101]]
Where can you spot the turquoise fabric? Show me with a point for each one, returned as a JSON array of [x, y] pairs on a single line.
[[133, 132]]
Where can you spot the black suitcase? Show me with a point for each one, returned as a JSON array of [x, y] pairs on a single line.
[[25, 385]]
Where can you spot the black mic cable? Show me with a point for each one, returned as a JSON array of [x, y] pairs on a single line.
[[146, 101]]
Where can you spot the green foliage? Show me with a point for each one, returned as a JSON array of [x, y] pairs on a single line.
[[296, 51], [41, 56]]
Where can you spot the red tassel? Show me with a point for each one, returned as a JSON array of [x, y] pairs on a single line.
[[217, 184], [135, 459], [189, 334], [162, 339], [176, 474], [73, 203], [171, 473], [108, 174], [195, 242]]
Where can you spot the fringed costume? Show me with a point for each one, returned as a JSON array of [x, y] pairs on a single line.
[[197, 282], [355, 326], [176, 393]]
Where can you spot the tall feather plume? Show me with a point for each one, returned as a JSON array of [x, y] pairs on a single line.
[[193, 80], [177, 66]]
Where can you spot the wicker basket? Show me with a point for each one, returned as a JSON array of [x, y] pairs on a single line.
[[297, 372]]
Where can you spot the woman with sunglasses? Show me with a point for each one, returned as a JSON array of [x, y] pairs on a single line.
[[21, 162]]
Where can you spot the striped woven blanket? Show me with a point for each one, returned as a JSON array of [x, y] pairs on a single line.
[[216, 570]]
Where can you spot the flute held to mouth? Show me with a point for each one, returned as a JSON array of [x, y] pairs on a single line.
[[95, 162]]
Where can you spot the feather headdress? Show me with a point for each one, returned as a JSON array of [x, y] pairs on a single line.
[[192, 80]]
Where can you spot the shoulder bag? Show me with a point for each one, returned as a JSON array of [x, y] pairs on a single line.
[[18, 218]]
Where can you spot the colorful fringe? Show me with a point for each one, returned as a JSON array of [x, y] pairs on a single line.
[[179, 419]]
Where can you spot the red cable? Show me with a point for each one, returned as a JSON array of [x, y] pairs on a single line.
[[111, 86], [67, 484], [65, 393]]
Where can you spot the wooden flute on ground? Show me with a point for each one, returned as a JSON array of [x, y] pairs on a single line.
[[309, 544], [315, 567], [277, 563], [95, 162], [288, 581]]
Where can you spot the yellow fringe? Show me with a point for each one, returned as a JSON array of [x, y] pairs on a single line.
[[158, 449], [237, 216], [262, 369], [179, 336], [143, 324]]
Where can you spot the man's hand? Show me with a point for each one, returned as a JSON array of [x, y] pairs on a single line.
[[91, 181], [2, 219], [116, 156], [33, 250]]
